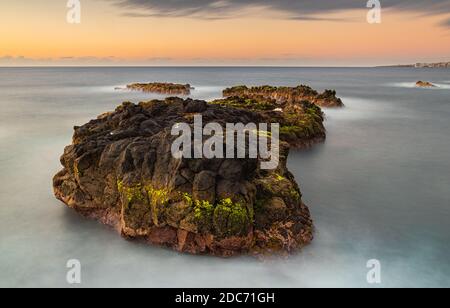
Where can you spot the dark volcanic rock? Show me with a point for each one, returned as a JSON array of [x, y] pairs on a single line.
[[287, 95], [120, 171], [301, 122], [161, 88]]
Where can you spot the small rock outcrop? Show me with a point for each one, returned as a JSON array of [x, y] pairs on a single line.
[[283, 95], [161, 88], [425, 84], [120, 170]]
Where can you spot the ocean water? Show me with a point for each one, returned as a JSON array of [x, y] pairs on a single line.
[[377, 189]]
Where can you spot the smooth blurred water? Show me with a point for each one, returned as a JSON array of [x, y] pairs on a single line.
[[378, 188]]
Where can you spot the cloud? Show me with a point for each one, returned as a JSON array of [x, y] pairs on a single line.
[[446, 23], [80, 61], [23, 61], [294, 9]]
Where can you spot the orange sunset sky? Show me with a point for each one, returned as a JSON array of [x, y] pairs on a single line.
[[121, 32]]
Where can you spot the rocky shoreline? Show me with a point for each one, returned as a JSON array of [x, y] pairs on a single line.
[[120, 171], [161, 88]]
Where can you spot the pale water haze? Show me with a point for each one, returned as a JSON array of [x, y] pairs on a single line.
[[378, 188]]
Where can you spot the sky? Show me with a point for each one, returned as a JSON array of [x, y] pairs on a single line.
[[223, 32]]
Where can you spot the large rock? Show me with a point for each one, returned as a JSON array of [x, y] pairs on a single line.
[[284, 95], [120, 171]]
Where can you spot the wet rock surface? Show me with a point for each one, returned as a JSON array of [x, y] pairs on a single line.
[[120, 171]]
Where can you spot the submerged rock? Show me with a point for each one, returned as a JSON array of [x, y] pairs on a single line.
[[162, 88], [120, 171], [425, 84], [284, 95]]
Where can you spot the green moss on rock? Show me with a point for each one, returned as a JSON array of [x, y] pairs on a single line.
[[231, 218], [131, 193], [247, 103]]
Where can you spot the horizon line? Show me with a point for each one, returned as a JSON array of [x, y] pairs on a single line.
[[210, 66]]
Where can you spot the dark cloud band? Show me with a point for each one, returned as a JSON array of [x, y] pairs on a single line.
[[296, 9]]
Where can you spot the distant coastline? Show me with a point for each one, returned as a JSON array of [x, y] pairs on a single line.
[[417, 65], [422, 65]]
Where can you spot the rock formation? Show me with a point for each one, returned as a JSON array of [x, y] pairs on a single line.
[[120, 171], [425, 84], [301, 123], [284, 95], [162, 88]]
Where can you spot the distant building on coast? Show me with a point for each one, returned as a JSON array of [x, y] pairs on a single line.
[[433, 65]]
